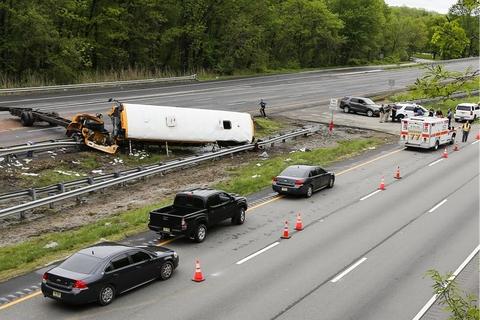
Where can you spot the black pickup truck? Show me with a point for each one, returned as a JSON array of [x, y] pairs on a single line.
[[196, 210]]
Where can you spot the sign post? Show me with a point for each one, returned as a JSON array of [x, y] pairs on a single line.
[[332, 107]]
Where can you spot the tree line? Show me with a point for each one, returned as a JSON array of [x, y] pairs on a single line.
[[60, 39]]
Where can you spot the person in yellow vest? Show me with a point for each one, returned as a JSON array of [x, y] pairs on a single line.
[[466, 130]]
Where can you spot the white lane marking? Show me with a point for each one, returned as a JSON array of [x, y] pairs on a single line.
[[432, 300], [369, 195], [258, 252], [476, 142], [435, 162], [353, 266], [437, 206]]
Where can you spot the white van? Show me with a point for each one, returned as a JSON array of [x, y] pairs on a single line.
[[467, 111]]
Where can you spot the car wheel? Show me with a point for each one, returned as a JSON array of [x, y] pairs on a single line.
[[331, 182], [106, 295], [166, 270], [370, 113], [456, 120], [239, 218], [309, 192], [346, 109], [200, 233], [400, 117], [437, 144]]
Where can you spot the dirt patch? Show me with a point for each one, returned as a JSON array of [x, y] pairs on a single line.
[[9, 124], [72, 214]]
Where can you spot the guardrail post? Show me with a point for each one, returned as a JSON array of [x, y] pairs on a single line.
[[50, 205], [61, 187], [33, 193]]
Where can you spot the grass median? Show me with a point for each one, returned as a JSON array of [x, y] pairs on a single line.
[[36, 252]]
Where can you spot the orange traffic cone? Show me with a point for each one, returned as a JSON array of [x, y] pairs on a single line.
[[286, 234], [455, 147], [382, 184], [445, 154], [397, 173], [299, 223], [198, 275]]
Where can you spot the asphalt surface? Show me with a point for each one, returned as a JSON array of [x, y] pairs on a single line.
[[281, 92], [362, 255]]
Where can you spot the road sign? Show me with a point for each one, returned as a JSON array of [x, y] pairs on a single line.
[[333, 104]]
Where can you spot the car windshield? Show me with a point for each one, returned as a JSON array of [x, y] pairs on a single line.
[[81, 263], [295, 172], [464, 108], [368, 101]]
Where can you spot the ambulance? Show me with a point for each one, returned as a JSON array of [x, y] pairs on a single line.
[[426, 132]]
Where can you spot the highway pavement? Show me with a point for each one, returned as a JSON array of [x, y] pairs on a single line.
[[362, 255], [281, 92]]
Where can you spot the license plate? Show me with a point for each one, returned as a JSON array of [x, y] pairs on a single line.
[[56, 294], [166, 229], [284, 189]]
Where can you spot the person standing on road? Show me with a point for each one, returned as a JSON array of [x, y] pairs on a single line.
[[387, 109], [382, 113], [449, 116], [466, 130], [431, 113], [394, 113], [262, 108]]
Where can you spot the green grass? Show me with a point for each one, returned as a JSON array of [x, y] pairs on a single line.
[[414, 94], [20, 258], [451, 104], [266, 127], [428, 56], [24, 257], [252, 178]]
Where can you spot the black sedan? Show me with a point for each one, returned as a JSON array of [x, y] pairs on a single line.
[[302, 180], [100, 272]]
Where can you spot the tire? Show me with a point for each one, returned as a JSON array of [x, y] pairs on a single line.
[[27, 119], [309, 192], [331, 182], [456, 120], [370, 113], [166, 270], [200, 233], [239, 218], [346, 109], [106, 295], [400, 117], [437, 144]]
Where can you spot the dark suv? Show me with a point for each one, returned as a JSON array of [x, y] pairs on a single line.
[[360, 105]]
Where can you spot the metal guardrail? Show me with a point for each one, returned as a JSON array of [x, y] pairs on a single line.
[[44, 146], [108, 180], [98, 84]]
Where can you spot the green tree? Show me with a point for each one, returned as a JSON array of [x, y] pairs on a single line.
[[450, 39], [461, 306], [364, 23], [308, 33], [439, 82], [467, 13]]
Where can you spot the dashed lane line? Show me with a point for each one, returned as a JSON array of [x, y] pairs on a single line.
[[346, 271], [437, 206]]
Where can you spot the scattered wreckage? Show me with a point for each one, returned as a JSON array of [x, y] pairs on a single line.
[[148, 124]]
